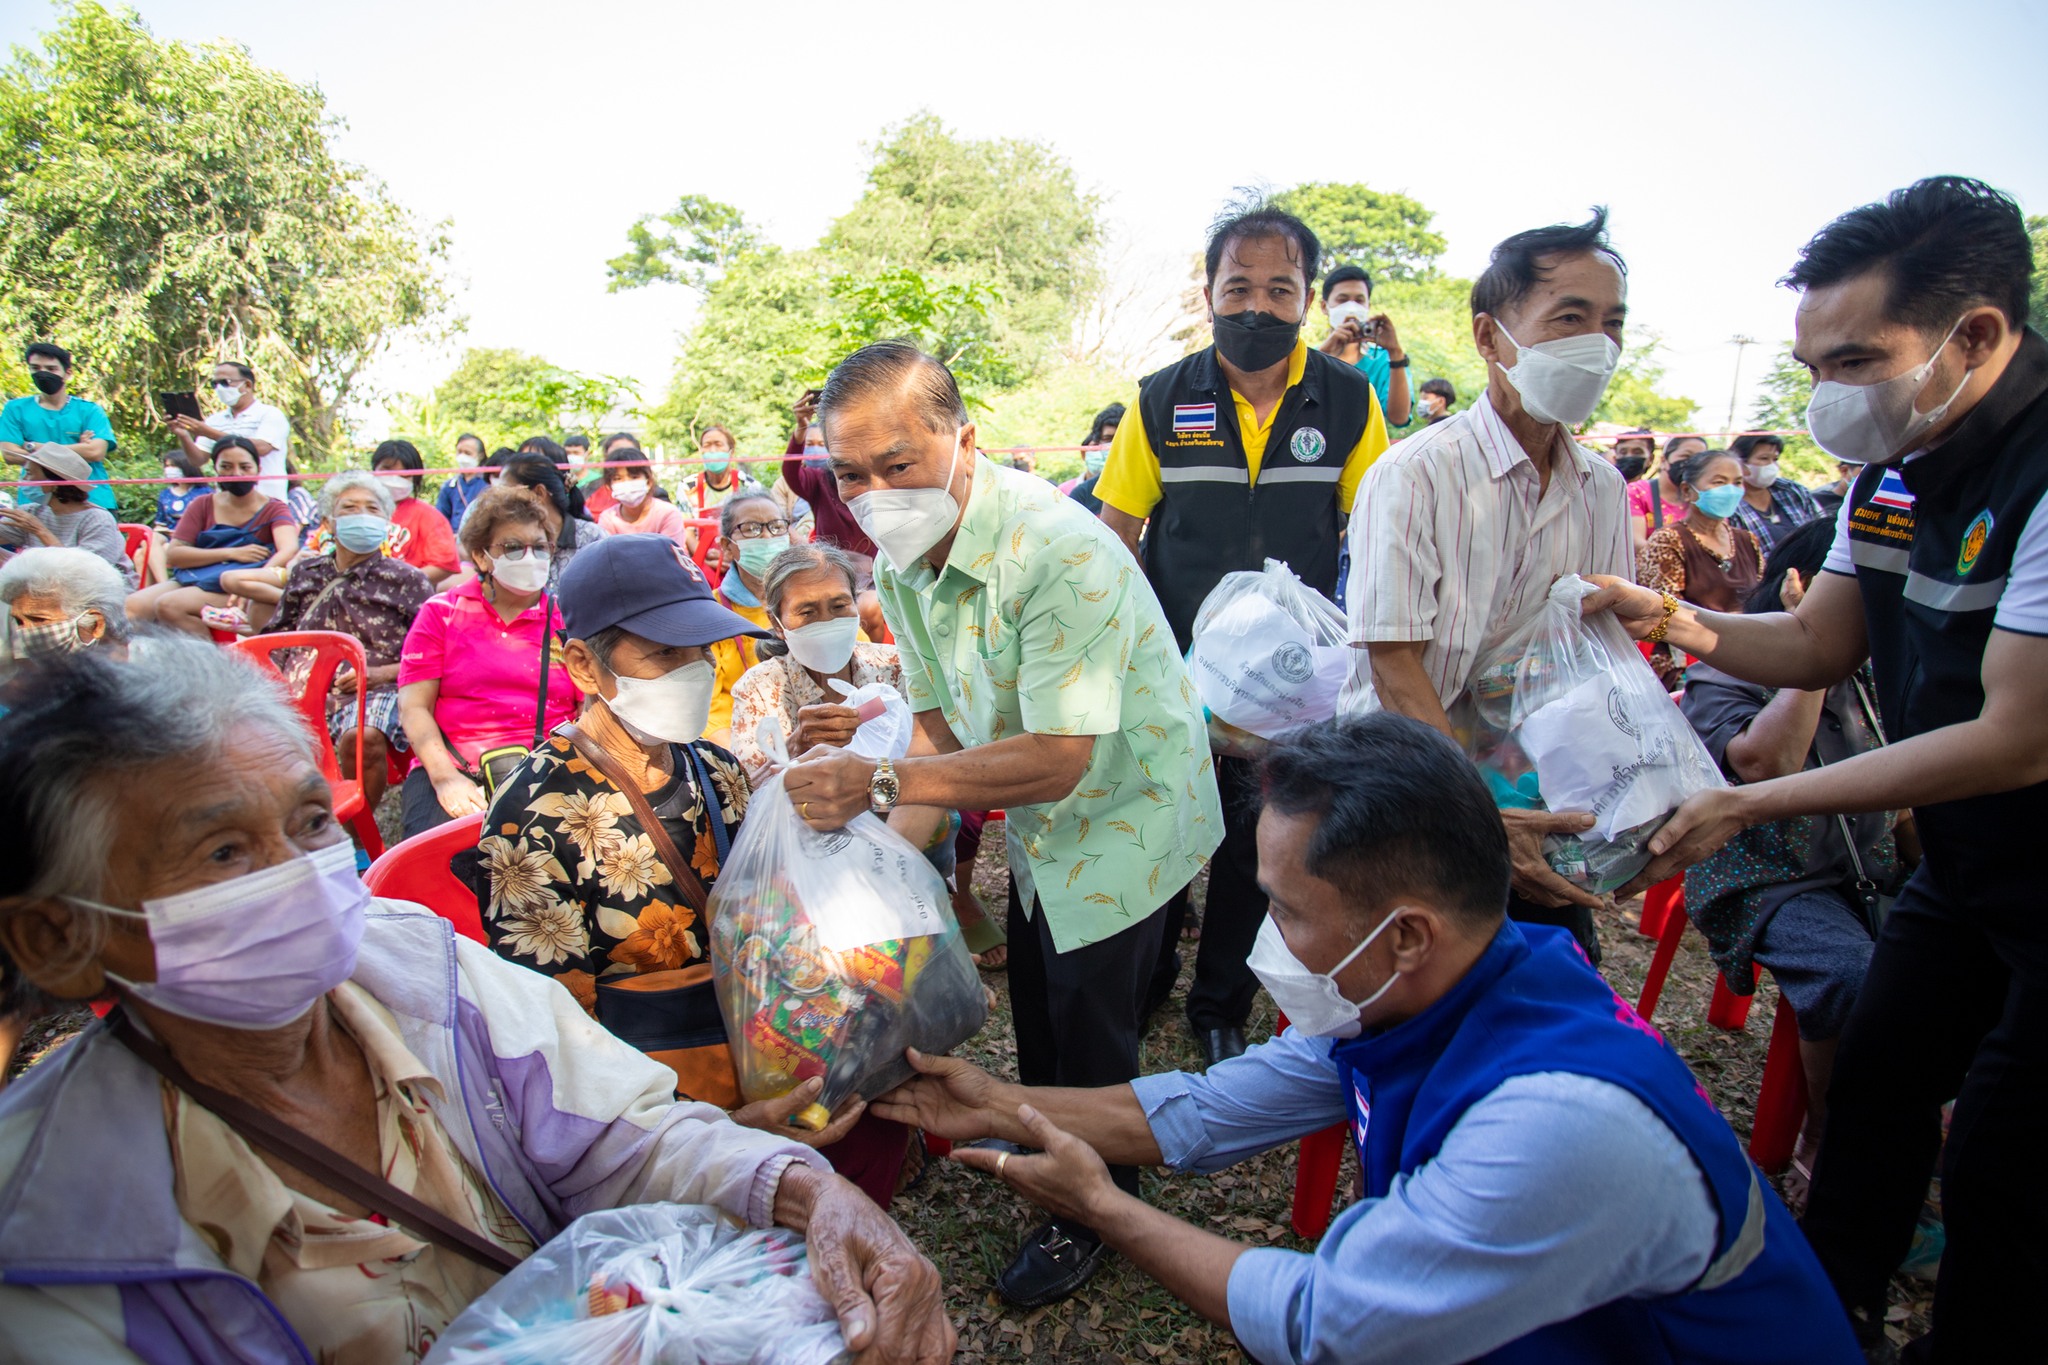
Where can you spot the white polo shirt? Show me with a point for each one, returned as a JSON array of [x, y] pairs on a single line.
[[259, 422]]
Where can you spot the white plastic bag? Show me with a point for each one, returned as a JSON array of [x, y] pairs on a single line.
[[885, 720], [834, 950], [1268, 653], [677, 1284], [1570, 699]]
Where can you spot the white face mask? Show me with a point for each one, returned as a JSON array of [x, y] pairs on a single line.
[[524, 572], [465, 459], [1311, 1000], [227, 394], [1349, 311], [823, 646], [1877, 423], [630, 492], [397, 485], [1760, 475], [674, 707], [906, 522], [1561, 381]]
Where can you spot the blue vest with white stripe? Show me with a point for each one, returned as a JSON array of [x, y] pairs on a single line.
[[1212, 519], [1533, 1004], [1933, 542]]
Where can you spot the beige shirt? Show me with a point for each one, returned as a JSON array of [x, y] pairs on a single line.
[[781, 687], [358, 1292], [1455, 542]]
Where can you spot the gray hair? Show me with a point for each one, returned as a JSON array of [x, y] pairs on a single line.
[[80, 729], [350, 479], [819, 556], [748, 491], [79, 579]]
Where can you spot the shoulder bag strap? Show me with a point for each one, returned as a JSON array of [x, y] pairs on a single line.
[[687, 881], [323, 1163], [714, 812], [547, 640]]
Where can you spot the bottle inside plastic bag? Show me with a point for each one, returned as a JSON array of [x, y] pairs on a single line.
[[834, 950], [1566, 714], [679, 1284], [1268, 653]]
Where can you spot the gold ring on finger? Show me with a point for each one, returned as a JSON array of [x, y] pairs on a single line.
[[1002, 1160]]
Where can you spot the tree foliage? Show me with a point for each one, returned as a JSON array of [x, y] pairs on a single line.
[[690, 244], [1633, 398], [2037, 310], [1388, 235], [1782, 395], [163, 205], [505, 396]]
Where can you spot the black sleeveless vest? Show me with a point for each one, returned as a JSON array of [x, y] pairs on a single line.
[[1933, 542], [1211, 520]]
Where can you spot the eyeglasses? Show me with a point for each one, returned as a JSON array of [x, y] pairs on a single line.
[[757, 530], [511, 552]]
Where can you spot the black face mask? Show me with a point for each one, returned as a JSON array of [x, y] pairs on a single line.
[[238, 488], [1254, 341], [46, 381], [1631, 466]]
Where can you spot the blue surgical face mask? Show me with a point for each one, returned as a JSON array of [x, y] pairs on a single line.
[[1719, 503], [360, 532]]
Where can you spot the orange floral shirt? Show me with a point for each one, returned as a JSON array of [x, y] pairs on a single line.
[[571, 884]]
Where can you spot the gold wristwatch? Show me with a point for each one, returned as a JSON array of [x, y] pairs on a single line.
[[884, 787]]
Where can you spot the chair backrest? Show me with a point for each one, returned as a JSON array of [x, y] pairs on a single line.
[[417, 870], [135, 544], [331, 649]]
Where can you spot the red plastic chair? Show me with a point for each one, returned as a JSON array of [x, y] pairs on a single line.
[[417, 870], [1657, 903], [1315, 1172], [331, 649], [136, 539]]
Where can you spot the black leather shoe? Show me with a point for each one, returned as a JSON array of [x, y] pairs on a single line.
[[1053, 1263], [1221, 1044]]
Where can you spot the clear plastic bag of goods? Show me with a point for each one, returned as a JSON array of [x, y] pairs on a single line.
[[833, 951], [1268, 653], [1566, 714], [653, 1284]]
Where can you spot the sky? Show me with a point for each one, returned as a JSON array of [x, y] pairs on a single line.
[[1720, 137]]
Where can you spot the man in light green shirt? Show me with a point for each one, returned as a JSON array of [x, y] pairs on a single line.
[[1046, 683]]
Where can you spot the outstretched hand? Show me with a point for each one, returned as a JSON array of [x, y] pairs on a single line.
[[1066, 1178], [948, 1098], [1706, 821]]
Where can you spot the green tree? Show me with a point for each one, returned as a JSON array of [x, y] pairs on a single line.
[[2037, 311], [1782, 395], [1633, 398], [950, 322], [163, 205], [690, 244], [506, 395], [1386, 234]]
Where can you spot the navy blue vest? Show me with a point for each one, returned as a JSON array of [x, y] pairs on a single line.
[[1933, 542], [1530, 1004]]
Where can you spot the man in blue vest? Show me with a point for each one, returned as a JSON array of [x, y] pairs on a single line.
[[1912, 319], [1543, 1180], [1251, 448]]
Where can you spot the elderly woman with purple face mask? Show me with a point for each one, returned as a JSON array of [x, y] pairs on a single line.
[[431, 1113]]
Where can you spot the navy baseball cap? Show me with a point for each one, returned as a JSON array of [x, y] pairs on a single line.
[[649, 586]]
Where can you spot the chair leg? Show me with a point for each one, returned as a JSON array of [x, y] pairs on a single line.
[[1781, 1103], [364, 823], [1657, 903], [1660, 962], [1315, 1179], [1728, 1010]]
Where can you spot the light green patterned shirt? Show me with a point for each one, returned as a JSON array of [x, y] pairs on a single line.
[[1041, 623]]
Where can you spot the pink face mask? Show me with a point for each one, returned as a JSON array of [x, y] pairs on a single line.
[[257, 951]]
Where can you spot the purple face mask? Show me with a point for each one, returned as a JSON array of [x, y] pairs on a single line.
[[257, 951]]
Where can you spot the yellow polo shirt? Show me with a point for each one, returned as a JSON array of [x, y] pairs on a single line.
[[1130, 477]]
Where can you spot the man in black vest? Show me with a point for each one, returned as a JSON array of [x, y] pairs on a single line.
[[1913, 322], [1249, 449]]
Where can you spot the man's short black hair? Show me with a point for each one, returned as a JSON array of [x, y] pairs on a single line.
[[1442, 388], [1518, 263], [1805, 548], [238, 367], [888, 368], [1344, 274], [1253, 217], [49, 350], [1741, 446], [1403, 813], [576, 439], [541, 445], [1947, 243]]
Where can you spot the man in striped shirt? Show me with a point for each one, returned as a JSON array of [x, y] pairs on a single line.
[[1459, 531]]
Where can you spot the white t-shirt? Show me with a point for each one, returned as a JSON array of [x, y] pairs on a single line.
[[2022, 607], [258, 422]]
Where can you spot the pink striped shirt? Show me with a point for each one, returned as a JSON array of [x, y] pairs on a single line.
[[1455, 542]]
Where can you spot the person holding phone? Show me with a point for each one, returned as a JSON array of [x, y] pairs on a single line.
[[1365, 339], [266, 428], [233, 527], [54, 416]]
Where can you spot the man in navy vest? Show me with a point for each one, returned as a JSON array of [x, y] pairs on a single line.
[[1543, 1178], [1251, 448], [1913, 322]]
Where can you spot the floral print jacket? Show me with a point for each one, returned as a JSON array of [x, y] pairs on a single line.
[[571, 885]]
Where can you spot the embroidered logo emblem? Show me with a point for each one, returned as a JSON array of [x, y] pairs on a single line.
[[1294, 663], [689, 564], [1194, 417], [1308, 445], [1973, 542]]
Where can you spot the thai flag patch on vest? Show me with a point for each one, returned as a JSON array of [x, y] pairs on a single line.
[[1892, 492], [1194, 417], [1361, 1117]]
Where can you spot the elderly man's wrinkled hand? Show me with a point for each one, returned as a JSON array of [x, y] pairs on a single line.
[[890, 1302], [1532, 876], [829, 787]]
